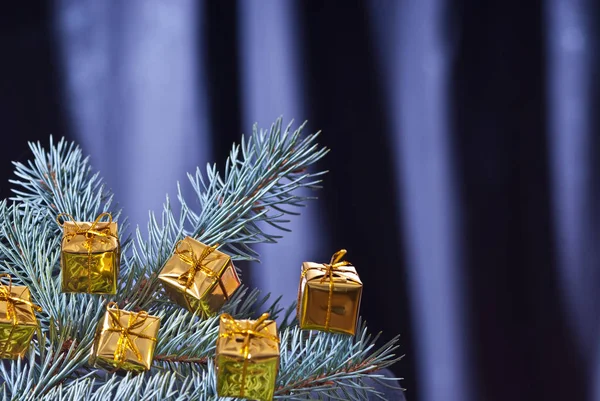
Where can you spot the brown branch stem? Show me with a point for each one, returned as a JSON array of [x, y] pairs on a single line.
[[180, 359], [318, 380]]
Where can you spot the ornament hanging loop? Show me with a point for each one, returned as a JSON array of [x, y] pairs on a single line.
[[338, 256], [4, 287]]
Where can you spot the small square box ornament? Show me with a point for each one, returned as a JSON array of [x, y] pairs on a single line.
[[17, 319], [199, 277], [247, 358], [90, 255], [125, 340], [329, 296]]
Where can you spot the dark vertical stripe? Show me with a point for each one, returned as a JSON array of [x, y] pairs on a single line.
[[345, 100], [31, 98], [218, 29], [218, 33], [499, 99]]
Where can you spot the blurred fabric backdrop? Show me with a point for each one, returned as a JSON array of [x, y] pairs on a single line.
[[464, 164]]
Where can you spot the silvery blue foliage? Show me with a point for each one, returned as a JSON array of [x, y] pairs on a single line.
[[255, 192]]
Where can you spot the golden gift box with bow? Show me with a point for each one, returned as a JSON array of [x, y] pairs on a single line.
[[89, 255], [17, 320], [125, 340], [199, 277], [329, 296], [247, 358]]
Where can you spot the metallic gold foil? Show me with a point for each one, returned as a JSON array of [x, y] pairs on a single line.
[[125, 340], [329, 296], [17, 320], [90, 256], [199, 277], [247, 358]]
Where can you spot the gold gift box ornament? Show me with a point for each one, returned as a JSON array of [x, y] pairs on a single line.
[[125, 340], [247, 358], [90, 255], [329, 296], [17, 319], [199, 277]]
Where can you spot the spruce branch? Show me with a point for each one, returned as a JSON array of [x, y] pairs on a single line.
[[327, 364], [258, 189]]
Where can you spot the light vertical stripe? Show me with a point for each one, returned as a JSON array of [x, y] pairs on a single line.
[[570, 60], [135, 97], [271, 87], [415, 60]]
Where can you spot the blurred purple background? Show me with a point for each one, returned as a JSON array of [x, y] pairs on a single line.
[[465, 157]]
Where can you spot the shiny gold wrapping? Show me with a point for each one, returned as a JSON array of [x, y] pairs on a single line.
[[17, 323], [329, 301], [125, 340], [199, 278], [247, 358], [90, 257]]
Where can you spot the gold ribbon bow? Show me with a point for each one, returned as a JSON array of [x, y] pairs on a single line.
[[332, 270], [11, 302], [125, 342], [256, 330], [197, 264], [92, 233]]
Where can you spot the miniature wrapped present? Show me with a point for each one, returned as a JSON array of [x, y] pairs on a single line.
[[125, 340], [199, 277], [329, 296], [247, 358], [90, 253], [17, 319]]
